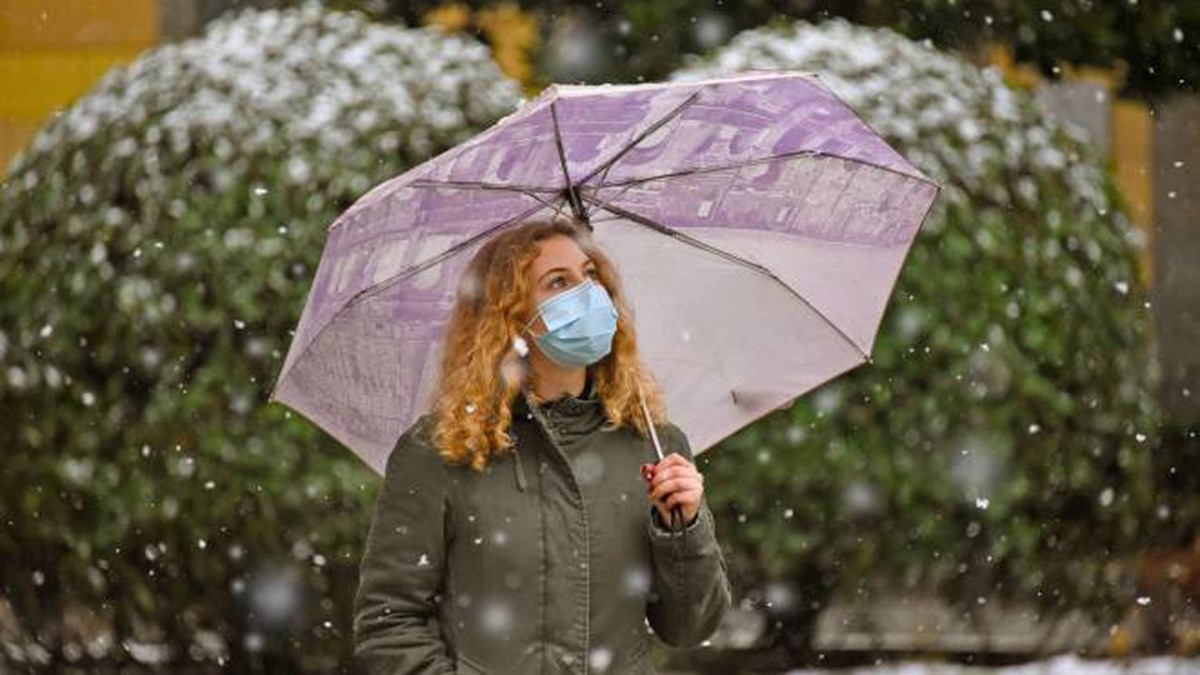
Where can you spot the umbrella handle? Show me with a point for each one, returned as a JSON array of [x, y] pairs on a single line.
[[649, 423], [677, 522]]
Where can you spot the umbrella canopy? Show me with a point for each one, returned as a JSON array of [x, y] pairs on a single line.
[[758, 224]]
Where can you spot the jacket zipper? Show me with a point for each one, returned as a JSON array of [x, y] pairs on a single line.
[[587, 581]]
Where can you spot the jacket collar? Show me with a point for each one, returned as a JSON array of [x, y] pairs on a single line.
[[572, 412], [571, 417]]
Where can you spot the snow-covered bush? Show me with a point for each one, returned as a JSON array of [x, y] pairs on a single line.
[[1001, 443], [157, 240]]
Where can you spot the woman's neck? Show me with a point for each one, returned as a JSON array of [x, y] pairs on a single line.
[[553, 382]]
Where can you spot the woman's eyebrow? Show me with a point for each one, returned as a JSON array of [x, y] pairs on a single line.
[[587, 262]]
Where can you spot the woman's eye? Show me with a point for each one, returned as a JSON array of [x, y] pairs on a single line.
[[554, 280]]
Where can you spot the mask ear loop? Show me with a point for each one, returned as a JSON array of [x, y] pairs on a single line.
[[519, 342]]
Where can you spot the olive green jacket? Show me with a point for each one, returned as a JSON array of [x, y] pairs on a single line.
[[552, 560]]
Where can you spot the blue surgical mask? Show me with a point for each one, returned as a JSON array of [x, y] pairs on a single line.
[[580, 324]]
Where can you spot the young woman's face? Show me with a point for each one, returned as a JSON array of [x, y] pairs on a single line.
[[561, 265]]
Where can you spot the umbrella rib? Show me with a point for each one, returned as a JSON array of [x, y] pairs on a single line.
[[467, 185], [608, 164], [651, 223], [634, 182], [429, 262], [422, 182], [399, 276], [761, 160], [569, 190], [562, 153]]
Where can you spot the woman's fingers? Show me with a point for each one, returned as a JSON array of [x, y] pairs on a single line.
[[671, 460], [674, 459], [680, 471], [666, 487], [672, 482], [688, 500]]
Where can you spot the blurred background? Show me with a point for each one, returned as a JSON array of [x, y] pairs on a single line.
[[1013, 481]]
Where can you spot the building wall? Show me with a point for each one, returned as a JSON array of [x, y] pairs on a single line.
[[1120, 128], [52, 51], [1176, 294], [1154, 153]]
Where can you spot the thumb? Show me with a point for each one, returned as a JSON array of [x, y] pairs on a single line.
[[647, 472]]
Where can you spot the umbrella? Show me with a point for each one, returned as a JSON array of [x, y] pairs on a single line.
[[758, 223]]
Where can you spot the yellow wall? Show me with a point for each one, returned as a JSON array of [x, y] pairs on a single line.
[[512, 32], [52, 51], [1133, 161]]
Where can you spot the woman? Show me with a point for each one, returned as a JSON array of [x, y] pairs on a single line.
[[519, 529]]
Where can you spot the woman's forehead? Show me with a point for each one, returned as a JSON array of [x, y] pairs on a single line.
[[559, 251]]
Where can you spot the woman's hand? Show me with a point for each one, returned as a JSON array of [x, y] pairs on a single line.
[[674, 481]]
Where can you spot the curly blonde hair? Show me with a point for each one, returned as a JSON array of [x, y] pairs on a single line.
[[481, 372]]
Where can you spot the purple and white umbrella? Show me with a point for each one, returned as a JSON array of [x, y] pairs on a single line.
[[758, 224]]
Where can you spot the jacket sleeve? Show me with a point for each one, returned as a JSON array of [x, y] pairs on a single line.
[[690, 587], [395, 629]]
